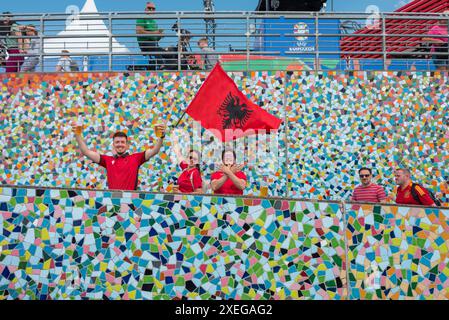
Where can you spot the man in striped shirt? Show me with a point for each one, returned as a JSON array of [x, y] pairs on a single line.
[[368, 191]]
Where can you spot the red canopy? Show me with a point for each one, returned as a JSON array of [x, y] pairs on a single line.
[[418, 27]]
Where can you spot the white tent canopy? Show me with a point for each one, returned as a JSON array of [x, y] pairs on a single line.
[[78, 27]]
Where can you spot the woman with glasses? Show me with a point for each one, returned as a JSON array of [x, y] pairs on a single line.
[[190, 180], [229, 179]]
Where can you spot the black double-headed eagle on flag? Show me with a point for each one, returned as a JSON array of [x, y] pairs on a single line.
[[234, 113]]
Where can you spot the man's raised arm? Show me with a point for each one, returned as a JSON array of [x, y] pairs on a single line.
[[92, 155], [153, 151]]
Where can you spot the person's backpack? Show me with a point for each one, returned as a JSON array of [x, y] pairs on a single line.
[[431, 194], [74, 66]]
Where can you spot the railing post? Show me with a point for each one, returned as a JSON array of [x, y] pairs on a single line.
[[347, 264], [110, 42], [286, 131], [41, 39], [447, 38], [178, 32], [384, 43], [247, 41], [317, 54]]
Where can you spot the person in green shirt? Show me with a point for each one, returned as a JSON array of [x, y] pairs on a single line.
[[148, 36]]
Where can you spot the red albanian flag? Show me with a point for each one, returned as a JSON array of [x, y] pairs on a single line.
[[221, 108]]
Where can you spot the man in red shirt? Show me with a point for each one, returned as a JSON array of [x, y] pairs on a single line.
[[368, 191], [404, 193], [122, 169]]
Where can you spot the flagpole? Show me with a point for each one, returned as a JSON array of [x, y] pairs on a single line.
[[182, 116]]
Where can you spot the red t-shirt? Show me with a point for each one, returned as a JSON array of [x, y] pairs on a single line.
[[122, 171], [189, 180], [228, 187], [405, 196]]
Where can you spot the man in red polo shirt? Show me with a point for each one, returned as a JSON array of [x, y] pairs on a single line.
[[404, 193], [122, 169], [368, 191]]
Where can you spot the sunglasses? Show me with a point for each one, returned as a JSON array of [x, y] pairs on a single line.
[[151, 8], [364, 175]]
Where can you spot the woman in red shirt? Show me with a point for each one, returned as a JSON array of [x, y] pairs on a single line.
[[190, 180], [229, 179]]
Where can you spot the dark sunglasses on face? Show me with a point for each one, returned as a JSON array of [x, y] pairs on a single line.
[[151, 8], [364, 175]]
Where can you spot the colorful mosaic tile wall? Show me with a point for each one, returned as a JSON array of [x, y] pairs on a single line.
[[82, 244], [75, 244], [337, 122], [397, 252]]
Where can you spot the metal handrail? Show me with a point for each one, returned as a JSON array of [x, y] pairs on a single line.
[[272, 35]]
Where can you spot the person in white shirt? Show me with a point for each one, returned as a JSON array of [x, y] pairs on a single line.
[[64, 62]]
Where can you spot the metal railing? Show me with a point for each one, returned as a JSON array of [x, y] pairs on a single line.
[[242, 41]]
